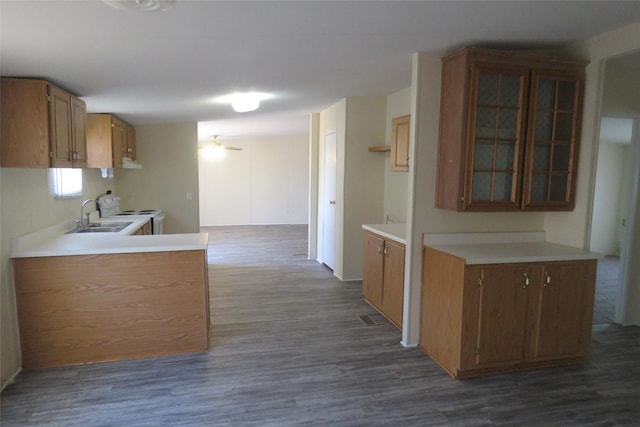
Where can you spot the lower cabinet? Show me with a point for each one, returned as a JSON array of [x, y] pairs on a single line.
[[144, 230], [383, 278], [489, 318]]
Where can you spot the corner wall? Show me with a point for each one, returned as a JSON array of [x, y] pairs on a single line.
[[169, 157]]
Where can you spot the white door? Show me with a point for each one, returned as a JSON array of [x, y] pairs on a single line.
[[329, 201]]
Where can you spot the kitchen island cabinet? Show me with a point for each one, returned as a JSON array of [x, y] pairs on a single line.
[[480, 317], [87, 298]]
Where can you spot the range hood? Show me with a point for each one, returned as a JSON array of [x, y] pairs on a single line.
[[127, 163]]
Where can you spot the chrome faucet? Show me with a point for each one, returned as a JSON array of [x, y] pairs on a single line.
[[83, 220]]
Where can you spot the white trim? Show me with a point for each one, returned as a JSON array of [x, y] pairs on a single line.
[[11, 380], [621, 315]]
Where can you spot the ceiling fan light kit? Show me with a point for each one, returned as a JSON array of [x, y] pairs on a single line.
[[215, 150], [141, 5]]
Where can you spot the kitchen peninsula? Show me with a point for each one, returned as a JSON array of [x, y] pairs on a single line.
[[97, 297]]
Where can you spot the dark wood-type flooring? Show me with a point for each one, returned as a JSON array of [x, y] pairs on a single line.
[[290, 350]]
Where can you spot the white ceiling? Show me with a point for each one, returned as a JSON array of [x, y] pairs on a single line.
[[168, 66]]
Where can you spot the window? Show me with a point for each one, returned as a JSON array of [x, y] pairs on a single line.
[[67, 183]]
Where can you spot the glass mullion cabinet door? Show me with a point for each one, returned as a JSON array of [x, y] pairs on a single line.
[[496, 131], [552, 139]]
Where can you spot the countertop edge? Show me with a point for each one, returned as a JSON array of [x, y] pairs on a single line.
[[510, 253], [391, 231]]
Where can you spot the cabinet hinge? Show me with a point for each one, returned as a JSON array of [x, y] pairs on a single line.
[[479, 281], [49, 98], [51, 154], [477, 352], [462, 199]]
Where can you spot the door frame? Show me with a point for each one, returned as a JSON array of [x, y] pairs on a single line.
[[625, 256], [322, 200]]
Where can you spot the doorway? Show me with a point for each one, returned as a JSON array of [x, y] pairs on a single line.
[[613, 208], [329, 200]]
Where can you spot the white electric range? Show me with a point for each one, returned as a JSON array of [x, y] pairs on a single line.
[[109, 206]]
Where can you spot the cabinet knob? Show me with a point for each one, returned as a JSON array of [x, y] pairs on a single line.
[[547, 280], [379, 249], [526, 281]]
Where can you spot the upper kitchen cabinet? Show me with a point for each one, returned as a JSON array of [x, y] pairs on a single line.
[[509, 131], [400, 143], [43, 126], [109, 139]]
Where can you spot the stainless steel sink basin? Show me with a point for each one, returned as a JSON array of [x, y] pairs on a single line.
[[101, 227]]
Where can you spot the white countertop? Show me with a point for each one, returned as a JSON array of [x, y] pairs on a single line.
[[499, 248], [396, 232], [53, 241]]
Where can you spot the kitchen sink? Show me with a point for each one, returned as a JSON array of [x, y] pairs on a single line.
[[101, 227]]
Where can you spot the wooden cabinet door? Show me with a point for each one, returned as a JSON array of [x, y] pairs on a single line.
[[118, 142], [552, 141], [79, 132], [495, 137], [373, 269], [400, 131], [99, 141], [565, 310], [393, 282], [24, 139], [60, 128], [130, 135], [504, 291]]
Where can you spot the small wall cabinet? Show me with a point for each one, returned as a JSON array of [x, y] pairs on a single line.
[[489, 318], [383, 278], [509, 131], [109, 139], [43, 126], [400, 130]]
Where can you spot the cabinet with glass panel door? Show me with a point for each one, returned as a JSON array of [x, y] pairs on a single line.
[[509, 131]]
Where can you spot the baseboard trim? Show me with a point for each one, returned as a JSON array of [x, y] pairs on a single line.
[[11, 380]]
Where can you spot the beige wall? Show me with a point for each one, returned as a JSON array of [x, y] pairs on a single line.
[[28, 205], [396, 184], [169, 156], [621, 93], [267, 182], [363, 178]]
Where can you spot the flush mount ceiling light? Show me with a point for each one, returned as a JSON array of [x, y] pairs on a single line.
[[141, 5], [242, 102]]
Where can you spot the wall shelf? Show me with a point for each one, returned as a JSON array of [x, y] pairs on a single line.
[[380, 148]]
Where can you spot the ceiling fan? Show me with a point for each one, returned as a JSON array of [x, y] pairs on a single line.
[[216, 150]]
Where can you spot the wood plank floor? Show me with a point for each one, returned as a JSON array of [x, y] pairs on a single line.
[[290, 350]]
